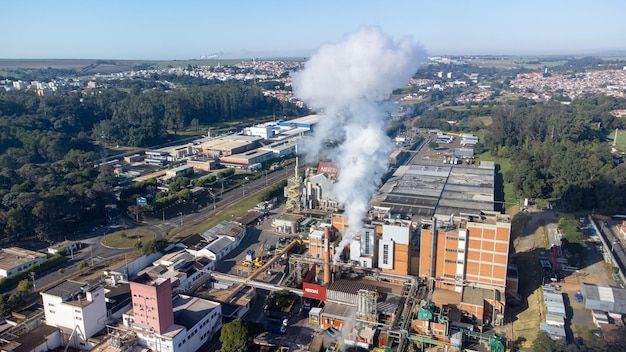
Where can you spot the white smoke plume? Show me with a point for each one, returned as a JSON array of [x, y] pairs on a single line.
[[348, 83]]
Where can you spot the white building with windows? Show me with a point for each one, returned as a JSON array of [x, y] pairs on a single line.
[[78, 309], [15, 259]]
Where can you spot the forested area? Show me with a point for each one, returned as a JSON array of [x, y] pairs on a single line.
[[560, 151], [48, 182], [438, 117], [143, 118]]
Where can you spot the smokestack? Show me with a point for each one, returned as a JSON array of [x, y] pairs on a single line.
[[326, 256]]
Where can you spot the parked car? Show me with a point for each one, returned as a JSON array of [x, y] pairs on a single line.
[[579, 296]]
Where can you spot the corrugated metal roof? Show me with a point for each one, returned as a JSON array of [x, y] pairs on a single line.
[[604, 298], [219, 244], [605, 293]]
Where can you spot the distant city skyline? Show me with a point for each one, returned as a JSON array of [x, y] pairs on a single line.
[[167, 30]]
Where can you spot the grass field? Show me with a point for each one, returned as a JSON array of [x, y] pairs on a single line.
[[230, 212], [620, 143], [510, 197], [532, 63], [127, 238]]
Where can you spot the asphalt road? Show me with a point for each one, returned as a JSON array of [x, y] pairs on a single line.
[[203, 211]]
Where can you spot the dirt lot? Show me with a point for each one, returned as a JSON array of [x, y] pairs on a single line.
[[530, 245]]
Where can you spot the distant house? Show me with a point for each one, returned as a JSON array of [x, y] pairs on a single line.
[[68, 246]]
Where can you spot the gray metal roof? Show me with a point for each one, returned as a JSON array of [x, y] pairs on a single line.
[[219, 245], [605, 298], [188, 311], [425, 188], [224, 228]]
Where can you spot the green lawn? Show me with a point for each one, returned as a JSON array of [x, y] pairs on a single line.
[[620, 144], [510, 196], [485, 121], [127, 238], [228, 213]]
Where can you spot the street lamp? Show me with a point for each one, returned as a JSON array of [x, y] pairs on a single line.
[[243, 185], [180, 213]]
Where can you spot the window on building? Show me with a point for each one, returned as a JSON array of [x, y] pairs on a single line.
[[385, 254], [367, 242]]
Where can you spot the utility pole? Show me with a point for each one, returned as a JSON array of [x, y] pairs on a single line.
[[91, 255], [181, 218], [163, 214], [32, 276]]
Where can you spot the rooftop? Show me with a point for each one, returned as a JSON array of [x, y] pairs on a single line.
[[219, 244], [352, 286], [145, 279], [195, 242], [476, 296], [14, 257], [30, 340], [188, 311], [66, 288], [224, 228], [426, 188]]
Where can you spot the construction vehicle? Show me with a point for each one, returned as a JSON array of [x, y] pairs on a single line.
[[257, 263]]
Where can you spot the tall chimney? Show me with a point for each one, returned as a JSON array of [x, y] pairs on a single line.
[[326, 256]]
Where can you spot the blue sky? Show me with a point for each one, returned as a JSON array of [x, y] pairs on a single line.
[[163, 30]]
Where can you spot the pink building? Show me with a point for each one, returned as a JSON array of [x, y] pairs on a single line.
[[152, 302]]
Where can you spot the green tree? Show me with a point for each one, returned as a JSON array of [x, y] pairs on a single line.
[[24, 286], [433, 145], [234, 337], [81, 265], [155, 245], [543, 343]]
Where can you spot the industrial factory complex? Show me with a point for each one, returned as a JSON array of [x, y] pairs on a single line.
[[430, 265]]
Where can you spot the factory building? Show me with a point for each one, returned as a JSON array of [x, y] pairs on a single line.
[[226, 145], [394, 248], [469, 254], [248, 158], [318, 190], [281, 149], [264, 131], [306, 122]]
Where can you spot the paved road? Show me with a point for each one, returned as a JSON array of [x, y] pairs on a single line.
[[203, 211]]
